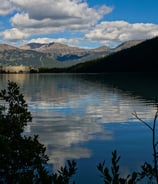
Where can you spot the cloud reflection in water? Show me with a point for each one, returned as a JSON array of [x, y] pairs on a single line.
[[69, 112]]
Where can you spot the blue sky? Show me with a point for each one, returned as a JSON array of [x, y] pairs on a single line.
[[81, 23]]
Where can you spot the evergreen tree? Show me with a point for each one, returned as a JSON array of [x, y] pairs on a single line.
[[22, 158]]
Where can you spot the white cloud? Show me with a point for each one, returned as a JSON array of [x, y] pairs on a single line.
[[70, 41], [51, 16], [5, 7], [14, 35], [34, 17], [115, 32], [59, 10], [32, 26]]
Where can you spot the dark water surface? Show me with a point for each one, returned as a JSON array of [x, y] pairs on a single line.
[[86, 117]]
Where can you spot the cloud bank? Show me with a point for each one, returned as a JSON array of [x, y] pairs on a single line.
[[34, 19], [5, 7], [50, 16], [112, 33]]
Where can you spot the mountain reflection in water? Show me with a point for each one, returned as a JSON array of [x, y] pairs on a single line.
[[85, 117]]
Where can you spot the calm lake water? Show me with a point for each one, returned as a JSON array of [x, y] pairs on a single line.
[[85, 117]]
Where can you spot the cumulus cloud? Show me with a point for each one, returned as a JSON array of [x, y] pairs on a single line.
[[61, 9], [115, 32], [14, 35], [5, 7], [36, 17], [68, 41]]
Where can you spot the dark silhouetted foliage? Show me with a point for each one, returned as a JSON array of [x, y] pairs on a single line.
[[65, 173], [22, 158], [112, 176]]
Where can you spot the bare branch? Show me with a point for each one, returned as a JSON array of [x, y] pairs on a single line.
[[141, 120]]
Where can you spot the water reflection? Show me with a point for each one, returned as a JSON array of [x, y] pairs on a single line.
[[18, 78], [71, 112]]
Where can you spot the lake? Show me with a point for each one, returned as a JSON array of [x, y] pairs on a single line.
[[85, 117]]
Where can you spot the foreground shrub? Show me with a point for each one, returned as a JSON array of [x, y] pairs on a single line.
[[23, 158]]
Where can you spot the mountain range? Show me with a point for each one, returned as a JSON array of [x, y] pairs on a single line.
[[55, 55]]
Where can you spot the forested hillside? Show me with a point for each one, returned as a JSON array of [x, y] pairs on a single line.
[[140, 58]]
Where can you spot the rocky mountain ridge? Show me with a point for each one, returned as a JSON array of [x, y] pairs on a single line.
[[58, 48], [4, 47], [53, 55]]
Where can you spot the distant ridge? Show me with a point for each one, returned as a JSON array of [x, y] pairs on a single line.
[[35, 46], [58, 48], [13, 56], [53, 55], [74, 55], [127, 44], [7, 47]]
